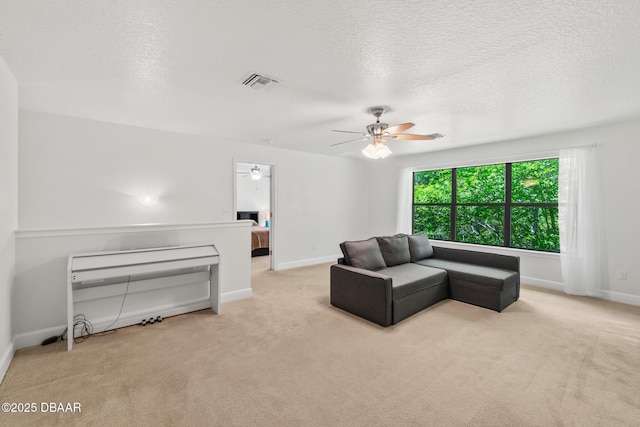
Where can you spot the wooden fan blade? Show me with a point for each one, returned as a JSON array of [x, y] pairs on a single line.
[[348, 131], [398, 128], [351, 140], [405, 136]]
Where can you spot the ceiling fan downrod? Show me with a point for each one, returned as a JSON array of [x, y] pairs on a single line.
[[377, 128]]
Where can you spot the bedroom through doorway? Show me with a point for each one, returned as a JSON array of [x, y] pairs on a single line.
[[254, 184]]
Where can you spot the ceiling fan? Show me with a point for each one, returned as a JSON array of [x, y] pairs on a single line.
[[255, 173], [377, 131]]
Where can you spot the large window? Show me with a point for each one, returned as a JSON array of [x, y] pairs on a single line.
[[507, 204]]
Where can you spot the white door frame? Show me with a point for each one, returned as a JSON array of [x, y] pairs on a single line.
[[272, 206]]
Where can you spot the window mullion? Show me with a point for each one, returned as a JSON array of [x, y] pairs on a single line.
[[454, 199], [507, 205], [413, 203]]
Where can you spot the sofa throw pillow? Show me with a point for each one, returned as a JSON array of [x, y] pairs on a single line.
[[363, 254], [420, 247], [395, 249]]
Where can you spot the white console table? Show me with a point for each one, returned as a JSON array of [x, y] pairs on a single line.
[[95, 275]]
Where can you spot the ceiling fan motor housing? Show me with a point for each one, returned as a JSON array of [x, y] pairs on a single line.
[[376, 129]]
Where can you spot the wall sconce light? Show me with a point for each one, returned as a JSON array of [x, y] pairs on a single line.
[[147, 200]]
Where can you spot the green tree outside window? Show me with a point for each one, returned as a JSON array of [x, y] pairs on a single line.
[[508, 204]]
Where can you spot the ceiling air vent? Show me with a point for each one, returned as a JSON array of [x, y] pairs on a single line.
[[257, 81]]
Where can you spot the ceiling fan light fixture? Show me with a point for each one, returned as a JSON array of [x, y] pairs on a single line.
[[255, 173], [377, 150], [369, 151], [383, 151]]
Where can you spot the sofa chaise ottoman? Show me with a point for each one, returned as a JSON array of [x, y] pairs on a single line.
[[387, 279]]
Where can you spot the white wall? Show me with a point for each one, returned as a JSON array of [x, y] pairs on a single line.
[[8, 206], [618, 146], [83, 173]]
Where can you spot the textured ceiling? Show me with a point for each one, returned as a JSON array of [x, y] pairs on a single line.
[[476, 71]]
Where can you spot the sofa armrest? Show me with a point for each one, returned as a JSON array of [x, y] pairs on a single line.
[[506, 262], [362, 292]]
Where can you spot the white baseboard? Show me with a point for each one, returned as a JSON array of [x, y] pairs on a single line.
[[620, 297], [605, 295], [236, 295], [29, 339], [135, 317], [307, 262], [541, 283], [5, 360]]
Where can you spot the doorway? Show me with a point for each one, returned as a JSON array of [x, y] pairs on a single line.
[[254, 200]]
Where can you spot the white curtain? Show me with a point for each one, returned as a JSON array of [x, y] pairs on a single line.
[[579, 221], [405, 194]]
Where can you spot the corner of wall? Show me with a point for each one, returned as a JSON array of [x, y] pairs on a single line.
[[5, 360], [9, 207]]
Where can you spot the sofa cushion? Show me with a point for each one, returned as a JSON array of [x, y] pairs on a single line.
[[410, 278], [419, 247], [395, 249], [489, 276], [363, 254]]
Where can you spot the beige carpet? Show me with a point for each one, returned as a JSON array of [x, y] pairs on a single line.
[[285, 357]]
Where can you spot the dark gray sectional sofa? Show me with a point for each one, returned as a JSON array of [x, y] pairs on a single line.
[[387, 279]]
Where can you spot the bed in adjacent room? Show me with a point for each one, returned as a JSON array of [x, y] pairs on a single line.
[[259, 234]]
